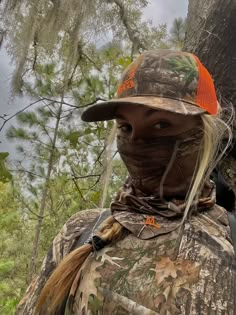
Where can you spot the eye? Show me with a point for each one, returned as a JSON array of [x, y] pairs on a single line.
[[125, 127], [162, 125]]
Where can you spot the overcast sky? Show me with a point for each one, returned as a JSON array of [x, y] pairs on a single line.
[[164, 11], [159, 11]]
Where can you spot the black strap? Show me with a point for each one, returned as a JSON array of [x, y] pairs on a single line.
[[232, 224], [97, 243], [86, 236]]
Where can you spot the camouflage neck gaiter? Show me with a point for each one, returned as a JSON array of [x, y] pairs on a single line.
[[149, 162], [147, 217]]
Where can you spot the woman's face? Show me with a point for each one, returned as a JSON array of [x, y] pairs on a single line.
[[142, 123], [147, 143]]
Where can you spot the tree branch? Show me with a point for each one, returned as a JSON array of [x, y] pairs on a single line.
[[132, 33], [20, 111], [85, 176], [5, 120]]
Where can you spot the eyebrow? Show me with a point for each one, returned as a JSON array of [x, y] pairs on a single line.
[[151, 111], [119, 116], [148, 113]]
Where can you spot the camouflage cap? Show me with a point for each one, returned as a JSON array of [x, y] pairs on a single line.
[[162, 79]]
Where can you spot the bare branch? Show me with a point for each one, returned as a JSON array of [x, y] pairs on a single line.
[[90, 60], [28, 207], [5, 120], [85, 176], [28, 172], [99, 155], [20, 111], [76, 184], [75, 106]]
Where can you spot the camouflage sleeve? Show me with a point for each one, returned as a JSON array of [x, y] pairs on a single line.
[[61, 246]]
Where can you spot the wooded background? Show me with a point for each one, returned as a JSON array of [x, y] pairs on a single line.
[[67, 56]]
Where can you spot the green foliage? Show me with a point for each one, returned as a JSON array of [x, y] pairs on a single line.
[[177, 33], [5, 175], [29, 118], [14, 245], [6, 266], [8, 306], [73, 136], [18, 133]]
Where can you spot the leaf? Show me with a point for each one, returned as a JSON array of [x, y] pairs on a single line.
[[28, 118], [5, 175], [124, 61], [17, 133], [87, 283], [73, 137], [6, 266]]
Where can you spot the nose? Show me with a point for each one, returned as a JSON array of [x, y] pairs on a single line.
[[138, 133]]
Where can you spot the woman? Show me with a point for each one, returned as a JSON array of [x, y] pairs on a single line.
[[164, 247]]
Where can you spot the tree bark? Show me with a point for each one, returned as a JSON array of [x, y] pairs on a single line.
[[211, 35]]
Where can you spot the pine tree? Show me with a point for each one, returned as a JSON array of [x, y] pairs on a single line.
[[177, 33]]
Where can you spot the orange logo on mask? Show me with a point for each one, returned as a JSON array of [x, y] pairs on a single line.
[[151, 221]]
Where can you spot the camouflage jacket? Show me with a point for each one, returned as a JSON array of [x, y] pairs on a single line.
[[191, 270]]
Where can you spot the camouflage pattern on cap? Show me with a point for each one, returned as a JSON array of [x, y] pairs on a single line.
[[161, 79], [166, 75]]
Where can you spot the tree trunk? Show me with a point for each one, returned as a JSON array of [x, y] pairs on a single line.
[[211, 35]]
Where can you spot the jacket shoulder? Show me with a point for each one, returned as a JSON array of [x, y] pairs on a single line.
[[60, 247], [71, 231]]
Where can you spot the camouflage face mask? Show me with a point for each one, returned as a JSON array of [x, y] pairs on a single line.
[[150, 161]]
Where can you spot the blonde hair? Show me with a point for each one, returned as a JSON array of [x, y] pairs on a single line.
[[215, 130], [58, 285]]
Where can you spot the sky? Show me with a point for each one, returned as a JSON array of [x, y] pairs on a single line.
[[8, 104], [159, 11], [164, 11]]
